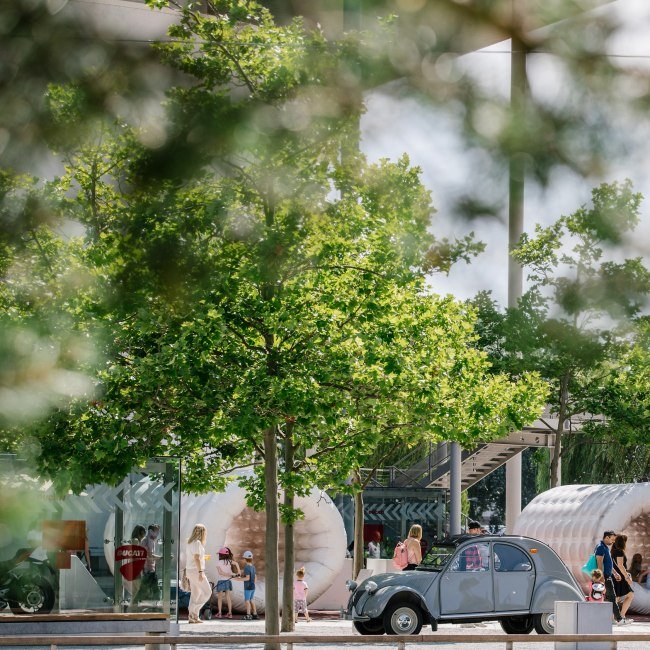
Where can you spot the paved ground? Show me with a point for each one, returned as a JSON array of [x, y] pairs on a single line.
[[335, 627]]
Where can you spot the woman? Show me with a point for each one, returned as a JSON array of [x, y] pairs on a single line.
[[227, 569], [413, 547], [622, 587], [195, 568]]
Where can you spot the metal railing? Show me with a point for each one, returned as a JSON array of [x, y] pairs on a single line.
[[291, 640]]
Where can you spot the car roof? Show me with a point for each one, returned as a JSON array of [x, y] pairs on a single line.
[[456, 540]]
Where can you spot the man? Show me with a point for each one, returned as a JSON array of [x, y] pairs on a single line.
[[150, 577], [606, 565]]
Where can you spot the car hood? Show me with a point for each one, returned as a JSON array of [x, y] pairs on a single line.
[[419, 580]]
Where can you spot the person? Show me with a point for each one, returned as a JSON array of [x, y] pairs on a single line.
[[597, 586], [475, 556], [150, 577], [248, 576], [195, 569], [138, 534], [622, 588], [374, 546], [636, 569], [227, 568], [474, 528], [300, 590], [606, 565], [413, 548]]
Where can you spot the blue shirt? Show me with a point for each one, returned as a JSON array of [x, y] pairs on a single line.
[[249, 572], [603, 550]]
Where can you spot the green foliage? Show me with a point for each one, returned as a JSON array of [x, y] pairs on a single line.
[[572, 324]]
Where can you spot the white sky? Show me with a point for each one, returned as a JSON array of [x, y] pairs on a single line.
[[396, 124]]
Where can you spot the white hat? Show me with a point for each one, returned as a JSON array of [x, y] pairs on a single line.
[[248, 555]]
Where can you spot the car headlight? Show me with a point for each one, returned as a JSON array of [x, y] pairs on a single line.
[[351, 585], [371, 587]]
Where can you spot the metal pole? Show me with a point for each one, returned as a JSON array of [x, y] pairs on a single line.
[[117, 541], [454, 488], [168, 484], [518, 91]]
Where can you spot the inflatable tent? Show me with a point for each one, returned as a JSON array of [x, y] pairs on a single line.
[[572, 518]]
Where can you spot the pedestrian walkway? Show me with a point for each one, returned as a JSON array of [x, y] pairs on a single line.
[[324, 627]]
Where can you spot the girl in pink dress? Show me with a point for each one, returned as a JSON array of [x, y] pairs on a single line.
[[300, 589]]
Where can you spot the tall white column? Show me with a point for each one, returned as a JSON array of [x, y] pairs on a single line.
[[517, 172]]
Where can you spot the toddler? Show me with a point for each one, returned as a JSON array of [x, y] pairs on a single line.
[[300, 590], [597, 586]]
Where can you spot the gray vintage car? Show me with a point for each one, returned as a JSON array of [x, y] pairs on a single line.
[[469, 578]]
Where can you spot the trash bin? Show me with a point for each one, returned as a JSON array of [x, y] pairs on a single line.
[[582, 618]]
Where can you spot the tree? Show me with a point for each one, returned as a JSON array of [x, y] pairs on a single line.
[[579, 303]]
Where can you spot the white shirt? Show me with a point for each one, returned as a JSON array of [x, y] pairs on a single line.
[[195, 548]]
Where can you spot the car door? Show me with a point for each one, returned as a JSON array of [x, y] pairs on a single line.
[[466, 584], [514, 578]]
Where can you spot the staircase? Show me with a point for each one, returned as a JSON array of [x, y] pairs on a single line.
[[432, 469]]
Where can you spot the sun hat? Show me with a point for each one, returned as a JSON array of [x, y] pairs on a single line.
[[224, 550], [248, 555]]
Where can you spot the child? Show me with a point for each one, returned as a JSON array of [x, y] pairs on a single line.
[[300, 590], [226, 570], [597, 586], [248, 576]]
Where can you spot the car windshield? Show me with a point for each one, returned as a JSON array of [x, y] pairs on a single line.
[[437, 558]]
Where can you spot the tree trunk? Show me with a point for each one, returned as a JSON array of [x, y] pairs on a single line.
[[289, 550], [556, 466], [271, 619], [357, 564]]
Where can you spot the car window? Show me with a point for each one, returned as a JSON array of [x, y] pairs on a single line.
[[510, 558], [473, 557], [437, 557]]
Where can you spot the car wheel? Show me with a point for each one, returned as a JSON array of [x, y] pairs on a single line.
[[517, 624], [402, 618], [373, 626], [544, 623], [32, 597]]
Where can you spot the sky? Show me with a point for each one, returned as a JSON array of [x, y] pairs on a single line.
[[396, 124]]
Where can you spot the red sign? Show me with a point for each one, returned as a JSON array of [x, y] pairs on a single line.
[[133, 558]]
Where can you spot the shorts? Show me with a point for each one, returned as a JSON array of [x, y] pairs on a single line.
[[300, 606], [224, 585], [249, 593]]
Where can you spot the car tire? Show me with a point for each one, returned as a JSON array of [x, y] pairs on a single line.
[[517, 624], [544, 623], [373, 626], [403, 618]]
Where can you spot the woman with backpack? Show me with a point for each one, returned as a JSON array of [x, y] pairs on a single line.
[[413, 547]]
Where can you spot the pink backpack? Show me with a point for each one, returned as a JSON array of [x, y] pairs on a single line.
[[400, 556]]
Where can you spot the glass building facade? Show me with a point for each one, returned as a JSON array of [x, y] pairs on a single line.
[[110, 549]]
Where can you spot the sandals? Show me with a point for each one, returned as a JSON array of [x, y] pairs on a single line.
[[217, 615], [229, 615]]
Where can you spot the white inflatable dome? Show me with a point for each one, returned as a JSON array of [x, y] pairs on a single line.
[[572, 518], [319, 538]]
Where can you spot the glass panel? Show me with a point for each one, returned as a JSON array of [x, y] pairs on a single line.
[[475, 557], [108, 549], [509, 558]]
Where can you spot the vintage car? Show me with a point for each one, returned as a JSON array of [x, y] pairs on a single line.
[[468, 578]]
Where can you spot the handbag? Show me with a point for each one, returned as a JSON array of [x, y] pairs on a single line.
[[185, 582], [590, 565]]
